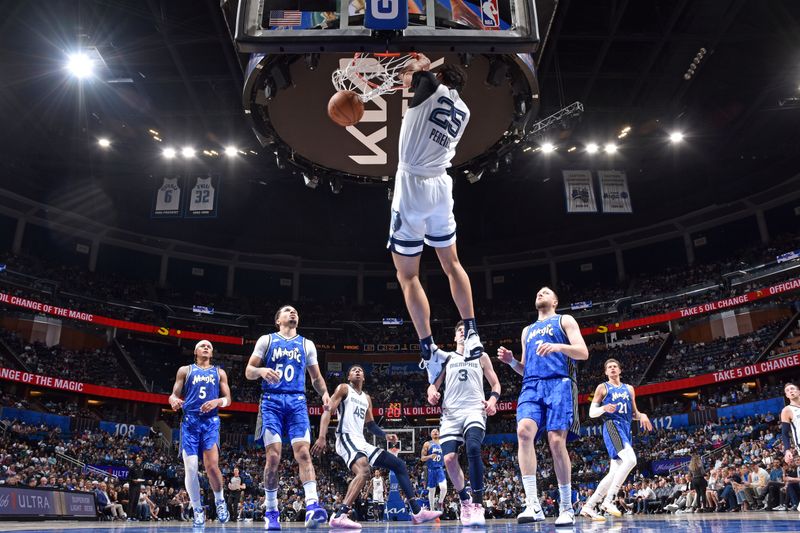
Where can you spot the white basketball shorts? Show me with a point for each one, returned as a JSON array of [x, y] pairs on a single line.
[[455, 423], [422, 213], [350, 445]]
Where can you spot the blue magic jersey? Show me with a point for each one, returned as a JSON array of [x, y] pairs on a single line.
[[288, 358], [554, 365], [621, 398], [435, 462], [201, 385]]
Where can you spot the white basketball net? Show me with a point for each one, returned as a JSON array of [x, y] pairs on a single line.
[[371, 75]]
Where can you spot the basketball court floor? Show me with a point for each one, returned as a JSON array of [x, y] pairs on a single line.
[[706, 523]]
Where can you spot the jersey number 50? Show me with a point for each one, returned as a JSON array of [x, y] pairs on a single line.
[[287, 373]]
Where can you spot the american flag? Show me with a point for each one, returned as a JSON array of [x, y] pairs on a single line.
[[285, 18]]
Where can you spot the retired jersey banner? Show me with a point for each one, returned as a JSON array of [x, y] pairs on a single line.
[[579, 191], [614, 191], [203, 198], [167, 198]]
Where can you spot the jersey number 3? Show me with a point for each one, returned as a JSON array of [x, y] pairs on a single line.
[[447, 116]]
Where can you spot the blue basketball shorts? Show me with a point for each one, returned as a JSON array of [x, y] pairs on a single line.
[[616, 435], [551, 403], [283, 415], [198, 434], [435, 476]]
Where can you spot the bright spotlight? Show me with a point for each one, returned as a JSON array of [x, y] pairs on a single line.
[[103, 142], [80, 65], [676, 136], [548, 148], [169, 153], [187, 152], [592, 148], [231, 151], [610, 148]]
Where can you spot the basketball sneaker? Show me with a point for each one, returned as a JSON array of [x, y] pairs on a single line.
[[222, 512], [476, 515], [433, 364], [315, 515], [565, 518], [473, 348], [589, 512], [199, 517], [271, 520], [343, 522], [466, 512], [532, 513], [425, 515], [611, 509]]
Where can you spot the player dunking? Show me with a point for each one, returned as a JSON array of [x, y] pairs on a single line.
[[616, 403], [790, 423], [354, 408], [464, 413], [200, 389], [431, 455], [422, 206], [281, 360], [548, 400]]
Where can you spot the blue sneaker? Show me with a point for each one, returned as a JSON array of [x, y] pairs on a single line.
[[222, 512], [271, 521], [199, 517], [315, 515]]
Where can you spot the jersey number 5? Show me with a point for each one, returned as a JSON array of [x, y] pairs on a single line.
[[447, 117]]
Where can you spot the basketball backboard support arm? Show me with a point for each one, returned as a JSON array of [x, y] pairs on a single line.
[[349, 35]]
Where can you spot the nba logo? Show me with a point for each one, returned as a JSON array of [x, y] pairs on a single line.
[[490, 14]]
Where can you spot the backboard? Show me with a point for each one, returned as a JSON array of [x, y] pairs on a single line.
[[296, 26]]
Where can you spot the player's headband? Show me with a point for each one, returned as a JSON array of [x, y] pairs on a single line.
[[196, 346]]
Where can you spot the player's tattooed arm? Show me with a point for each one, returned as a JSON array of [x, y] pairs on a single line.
[[338, 395], [318, 382], [175, 400]]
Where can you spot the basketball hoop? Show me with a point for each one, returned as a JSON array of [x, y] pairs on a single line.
[[371, 75]]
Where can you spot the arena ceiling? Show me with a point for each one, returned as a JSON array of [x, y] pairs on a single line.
[[170, 67]]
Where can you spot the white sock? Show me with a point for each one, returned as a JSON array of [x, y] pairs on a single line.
[[602, 487], [565, 497], [627, 459], [272, 499], [432, 498], [219, 496], [529, 483], [442, 493], [191, 481], [310, 490]]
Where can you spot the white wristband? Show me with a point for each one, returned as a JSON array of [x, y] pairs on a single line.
[[514, 363], [224, 402]]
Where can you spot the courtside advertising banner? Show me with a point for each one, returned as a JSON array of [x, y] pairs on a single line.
[[614, 191], [579, 191]]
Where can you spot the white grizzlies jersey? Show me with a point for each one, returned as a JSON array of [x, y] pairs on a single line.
[[463, 384], [168, 197], [795, 426], [377, 489], [430, 132], [202, 196], [352, 411]]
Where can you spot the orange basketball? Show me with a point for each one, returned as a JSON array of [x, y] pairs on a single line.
[[345, 108]]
